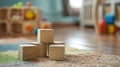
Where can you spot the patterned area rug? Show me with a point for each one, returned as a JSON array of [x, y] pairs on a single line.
[[73, 58]]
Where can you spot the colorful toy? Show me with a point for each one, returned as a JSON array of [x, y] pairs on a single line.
[[18, 5], [44, 19], [46, 24], [102, 27], [29, 15], [35, 31], [29, 28], [27, 52], [107, 25], [109, 18], [56, 52], [45, 46], [112, 29]]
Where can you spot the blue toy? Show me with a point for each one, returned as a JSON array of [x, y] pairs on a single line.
[[35, 31], [110, 18]]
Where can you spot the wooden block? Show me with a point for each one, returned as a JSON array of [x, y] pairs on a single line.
[[45, 35], [59, 42], [27, 52], [41, 49], [56, 52]]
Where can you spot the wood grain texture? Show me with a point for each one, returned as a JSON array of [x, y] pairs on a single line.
[[56, 52], [41, 49], [45, 36], [27, 52]]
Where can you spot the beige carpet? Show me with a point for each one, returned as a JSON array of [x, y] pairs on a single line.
[[15, 40], [74, 58]]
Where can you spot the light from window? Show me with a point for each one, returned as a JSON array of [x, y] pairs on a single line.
[[75, 3]]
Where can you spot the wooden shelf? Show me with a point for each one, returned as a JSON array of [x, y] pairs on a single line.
[[3, 28], [14, 21], [16, 28], [16, 14], [3, 14]]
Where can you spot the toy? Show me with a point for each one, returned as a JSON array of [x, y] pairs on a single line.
[[35, 31], [56, 52], [109, 18], [59, 42], [41, 49], [18, 5], [112, 29], [45, 35], [44, 19], [27, 52], [102, 27], [46, 25], [107, 25], [45, 46], [29, 28], [29, 15]]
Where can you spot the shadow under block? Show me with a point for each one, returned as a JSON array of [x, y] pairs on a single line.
[[45, 35], [27, 52], [56, 52], [41, 49]]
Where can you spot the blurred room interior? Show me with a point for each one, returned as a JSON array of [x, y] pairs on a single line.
[[72, 21]]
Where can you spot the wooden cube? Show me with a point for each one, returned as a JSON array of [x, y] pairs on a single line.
[[59, 42], [27, 52], [56, 52], [41, 49], [45, 35]]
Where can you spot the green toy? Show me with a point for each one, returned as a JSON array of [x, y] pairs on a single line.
[[18, 5]]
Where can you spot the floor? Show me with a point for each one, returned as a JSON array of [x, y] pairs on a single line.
[[85, 39]]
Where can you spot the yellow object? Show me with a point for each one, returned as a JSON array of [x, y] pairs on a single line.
[[29, 14], [111, 29]]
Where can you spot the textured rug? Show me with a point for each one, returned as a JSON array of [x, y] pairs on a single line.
[[15, 40], [73, 58]]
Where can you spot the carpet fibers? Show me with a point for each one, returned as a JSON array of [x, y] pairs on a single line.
[[73, 58]]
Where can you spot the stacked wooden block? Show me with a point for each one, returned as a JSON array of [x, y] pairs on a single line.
[[45, 46], [56, 52], [27, 52]]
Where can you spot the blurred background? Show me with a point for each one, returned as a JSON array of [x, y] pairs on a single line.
[[71, 19]]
